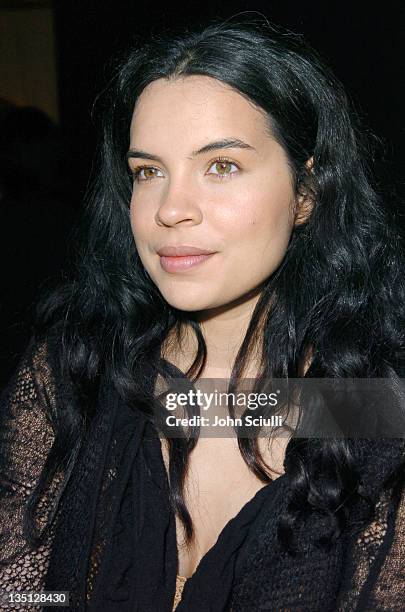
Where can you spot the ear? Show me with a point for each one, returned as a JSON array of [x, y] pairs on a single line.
[[305, 199]]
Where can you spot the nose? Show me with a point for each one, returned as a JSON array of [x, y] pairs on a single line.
[[179, 205]]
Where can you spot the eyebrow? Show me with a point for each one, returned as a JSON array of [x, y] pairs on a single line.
[[224, 143]]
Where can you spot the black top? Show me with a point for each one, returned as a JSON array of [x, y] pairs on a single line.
[[113, 541]]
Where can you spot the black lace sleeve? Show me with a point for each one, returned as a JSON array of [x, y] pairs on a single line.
[[375, 561], [26, 437]]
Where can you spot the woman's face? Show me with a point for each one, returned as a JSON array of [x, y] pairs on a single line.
[[236, 201]]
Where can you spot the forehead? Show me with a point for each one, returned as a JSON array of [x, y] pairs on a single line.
[[195, 106]]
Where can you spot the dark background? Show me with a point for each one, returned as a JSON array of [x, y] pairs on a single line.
[[363, 44]]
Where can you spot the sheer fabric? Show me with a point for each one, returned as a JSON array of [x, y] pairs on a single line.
[[112, 543], [180, 582]]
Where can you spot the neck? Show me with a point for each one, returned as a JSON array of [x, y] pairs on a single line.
[[224, 329]]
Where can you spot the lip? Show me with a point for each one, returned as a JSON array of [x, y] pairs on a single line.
[[182, 250], [181, 263]]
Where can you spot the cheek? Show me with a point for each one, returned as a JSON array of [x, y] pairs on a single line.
[[139, 220], [261, 216], [260, 232]]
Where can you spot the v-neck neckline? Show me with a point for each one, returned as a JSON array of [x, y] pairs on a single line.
[[253, 501], [261, 493], [215, 574]]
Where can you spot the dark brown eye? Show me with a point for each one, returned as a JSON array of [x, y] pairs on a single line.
[[149, 173]]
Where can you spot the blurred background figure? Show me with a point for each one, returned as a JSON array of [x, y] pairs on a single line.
[[35, 220]]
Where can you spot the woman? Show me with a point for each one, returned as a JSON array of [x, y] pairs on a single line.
[[237, 141]]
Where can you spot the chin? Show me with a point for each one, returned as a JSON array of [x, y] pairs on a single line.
[[183, 300], [187, 305]]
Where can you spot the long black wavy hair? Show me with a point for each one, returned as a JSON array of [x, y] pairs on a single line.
[[339, 289]]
